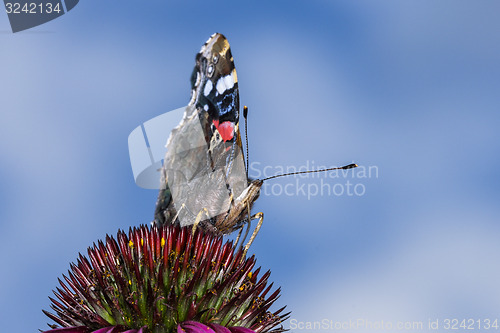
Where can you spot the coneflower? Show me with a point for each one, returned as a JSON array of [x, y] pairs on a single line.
[[165, 279]]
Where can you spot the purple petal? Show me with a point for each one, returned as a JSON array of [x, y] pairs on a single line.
[[193, 327], [239, 329], [141, 330], [109, 329], [106, 330], [219, 328], [76, 329]]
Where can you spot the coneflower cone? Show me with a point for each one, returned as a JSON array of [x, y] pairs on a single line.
[[165, 279]]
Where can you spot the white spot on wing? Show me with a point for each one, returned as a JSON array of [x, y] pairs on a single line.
[[221, 86], [205, 107], [208, 87], [224, 83], [229, 81]]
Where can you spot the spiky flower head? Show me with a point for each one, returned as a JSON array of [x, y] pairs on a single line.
[[165, 279]]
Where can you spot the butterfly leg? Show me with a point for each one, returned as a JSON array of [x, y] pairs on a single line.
[[199, 218], [239, 234], [238, 238], [183, 206], [259, 216], [249, 223]]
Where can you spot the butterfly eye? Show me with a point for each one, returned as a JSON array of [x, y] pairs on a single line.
[[215, 58], [210, 70]]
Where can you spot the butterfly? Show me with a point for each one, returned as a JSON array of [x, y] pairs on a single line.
[[204, 180]]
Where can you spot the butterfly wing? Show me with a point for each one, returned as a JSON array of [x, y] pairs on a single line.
[[204, 168]]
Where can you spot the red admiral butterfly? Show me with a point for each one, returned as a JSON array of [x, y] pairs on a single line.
[[204, 171], [204, 179]]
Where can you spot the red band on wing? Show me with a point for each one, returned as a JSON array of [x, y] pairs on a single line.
[[226, 129]]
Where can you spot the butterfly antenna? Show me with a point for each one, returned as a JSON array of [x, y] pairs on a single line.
[[350, 166], [245, 114]]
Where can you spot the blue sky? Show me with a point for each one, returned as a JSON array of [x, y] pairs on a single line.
[[407, 88]]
